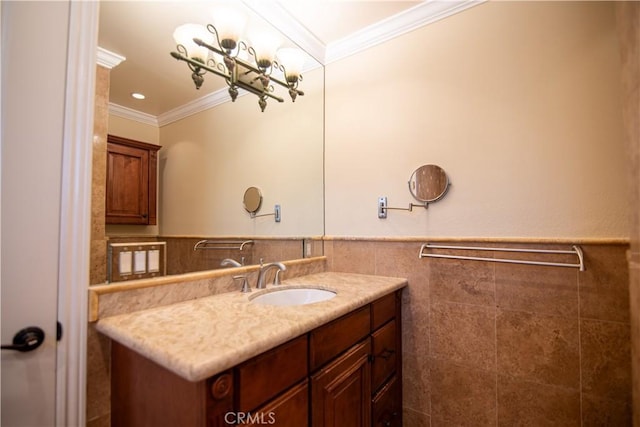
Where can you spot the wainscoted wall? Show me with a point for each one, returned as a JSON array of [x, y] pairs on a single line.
[[503, 344], [184, 259], [628, 19]]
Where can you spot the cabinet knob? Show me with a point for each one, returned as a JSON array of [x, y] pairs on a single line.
[[221, 386], [385, 354]]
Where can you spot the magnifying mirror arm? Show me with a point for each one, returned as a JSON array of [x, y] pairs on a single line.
[[277, 213], [383, 207]]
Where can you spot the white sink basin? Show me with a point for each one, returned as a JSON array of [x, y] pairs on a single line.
[[293, 296]]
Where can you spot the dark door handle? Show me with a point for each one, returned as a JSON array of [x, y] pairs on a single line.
[[26, 339]]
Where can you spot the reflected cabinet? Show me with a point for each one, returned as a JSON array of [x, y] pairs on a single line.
[[131, 181]]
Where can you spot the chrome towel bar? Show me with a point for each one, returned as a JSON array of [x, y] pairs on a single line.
[[222, 244], [575, 250]]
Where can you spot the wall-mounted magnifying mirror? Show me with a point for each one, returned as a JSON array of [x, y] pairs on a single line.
[[252, 200], [428, 183]]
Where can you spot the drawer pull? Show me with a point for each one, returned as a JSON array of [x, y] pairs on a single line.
[[389, 422], [385, 354]]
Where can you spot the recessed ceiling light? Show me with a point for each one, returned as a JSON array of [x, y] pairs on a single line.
[[137, 95]]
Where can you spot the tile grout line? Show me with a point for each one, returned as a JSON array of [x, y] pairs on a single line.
[[579, 348], [495, 336], [430, 358]]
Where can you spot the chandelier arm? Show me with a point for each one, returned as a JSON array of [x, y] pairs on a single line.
[[198, 64], [244, 63], [258, 92], [213, 31], [199, 42], [266, 71]]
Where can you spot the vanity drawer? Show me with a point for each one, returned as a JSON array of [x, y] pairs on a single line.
[[383, 310], [268, 374], [387, 406], [384, 353], [330, 340]]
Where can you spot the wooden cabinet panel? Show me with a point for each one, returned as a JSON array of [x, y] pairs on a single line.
[[146, 395], [387, 405], [329, 340], [341, 391], [270, 373], [384, 353], [131, 181], [289, 410], [382, 310]]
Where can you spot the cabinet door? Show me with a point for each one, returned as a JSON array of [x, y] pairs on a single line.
[[341, 391], [289, 410], [127, 198]]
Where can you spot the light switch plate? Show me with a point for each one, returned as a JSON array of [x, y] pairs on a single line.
[[124, 263], [140, 262]]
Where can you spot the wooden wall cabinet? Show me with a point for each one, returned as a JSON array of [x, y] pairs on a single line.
[[131, 181], [346, 373]]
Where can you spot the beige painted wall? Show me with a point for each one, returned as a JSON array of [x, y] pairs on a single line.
[[132, 129], [518, 101], [209, 159]]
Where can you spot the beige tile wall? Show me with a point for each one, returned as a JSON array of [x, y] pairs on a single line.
[[98, 347], [184, 259], [628, 21], [504, 344], [98, 267]]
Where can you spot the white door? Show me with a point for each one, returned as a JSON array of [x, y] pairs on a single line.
[[43, 222]]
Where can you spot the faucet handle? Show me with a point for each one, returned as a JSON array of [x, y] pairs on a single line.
[[245, 283]]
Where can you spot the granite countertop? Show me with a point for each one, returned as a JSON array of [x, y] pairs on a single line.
[[200, 338]]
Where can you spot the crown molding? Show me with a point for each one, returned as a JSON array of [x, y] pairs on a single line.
[[394, 26], [108, 59], [197, 105], [276, 15], [131, 114], [385, 30]]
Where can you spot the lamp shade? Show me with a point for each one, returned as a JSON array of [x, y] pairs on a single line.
[[184, 35], [292, 60], [265, 46], [229, 24]]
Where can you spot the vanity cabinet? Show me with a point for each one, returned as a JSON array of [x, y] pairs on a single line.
[[131, 181], [346, 373]]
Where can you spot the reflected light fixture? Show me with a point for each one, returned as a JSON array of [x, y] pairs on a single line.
[[219, 49]]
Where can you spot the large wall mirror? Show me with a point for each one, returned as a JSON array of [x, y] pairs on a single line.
[[208, 159]]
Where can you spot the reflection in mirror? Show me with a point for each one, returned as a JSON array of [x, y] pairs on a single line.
[[252, 200], [428, 183], [212, 154]]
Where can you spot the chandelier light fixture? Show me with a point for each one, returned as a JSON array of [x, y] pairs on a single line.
[[219, 49]]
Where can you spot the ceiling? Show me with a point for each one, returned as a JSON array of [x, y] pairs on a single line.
[[141, 31]]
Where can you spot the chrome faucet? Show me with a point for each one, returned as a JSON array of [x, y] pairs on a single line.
[[263, 272], [245, 283], [228, 262]]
